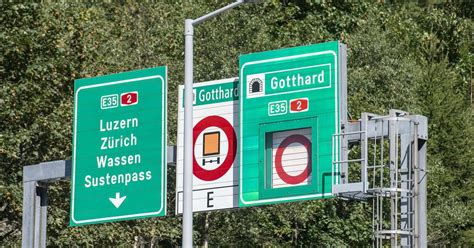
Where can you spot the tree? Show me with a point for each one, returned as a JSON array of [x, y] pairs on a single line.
[[408, 57]]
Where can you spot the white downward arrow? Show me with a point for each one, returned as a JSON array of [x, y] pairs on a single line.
[[117, 201]]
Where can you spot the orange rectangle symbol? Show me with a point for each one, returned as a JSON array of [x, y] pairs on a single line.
[[211, 144]]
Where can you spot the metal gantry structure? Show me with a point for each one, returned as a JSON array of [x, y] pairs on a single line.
[[384, 161]]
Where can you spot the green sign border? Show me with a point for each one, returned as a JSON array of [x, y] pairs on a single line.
[[115, 79]]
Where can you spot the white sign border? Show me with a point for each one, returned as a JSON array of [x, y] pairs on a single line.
[[164, 141], [276, 200]]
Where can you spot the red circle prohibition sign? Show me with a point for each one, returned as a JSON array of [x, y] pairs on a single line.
[[220, 122], [289, 179]]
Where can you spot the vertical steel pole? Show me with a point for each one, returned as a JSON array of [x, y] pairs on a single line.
[[41, 211], [422, 194], [392, 135], [188, 121], [343, 108], [415, 186], [364, 151], [28, 224], [187, 240], [35, 208], [405, 198]]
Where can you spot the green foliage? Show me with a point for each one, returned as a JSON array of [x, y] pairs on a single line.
[[413, 58]]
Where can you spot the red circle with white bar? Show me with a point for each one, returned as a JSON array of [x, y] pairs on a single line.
[[220, 122], [289, 179]]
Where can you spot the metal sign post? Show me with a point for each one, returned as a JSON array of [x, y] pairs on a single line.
[[188, 118]]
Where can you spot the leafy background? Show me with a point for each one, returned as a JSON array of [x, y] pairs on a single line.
[[412, 56]]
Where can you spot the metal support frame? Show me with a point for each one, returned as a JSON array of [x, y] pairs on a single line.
[[392, 173], [35, 196]]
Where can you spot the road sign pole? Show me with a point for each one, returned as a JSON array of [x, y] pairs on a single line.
[[28, 226], [188, 118], [188, 135]]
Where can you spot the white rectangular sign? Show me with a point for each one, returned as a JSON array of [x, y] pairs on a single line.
[[215, 125]]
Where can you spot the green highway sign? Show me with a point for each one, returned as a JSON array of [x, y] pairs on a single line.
[[292, 103], [119, 147]]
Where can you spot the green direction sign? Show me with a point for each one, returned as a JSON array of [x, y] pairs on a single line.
[[119, 147], [292, 103]]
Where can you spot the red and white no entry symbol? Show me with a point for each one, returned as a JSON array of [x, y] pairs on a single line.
[[289, 179], [224, 125]]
